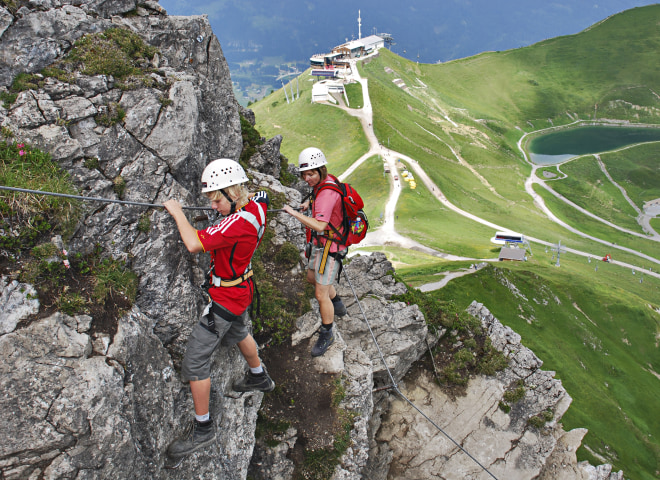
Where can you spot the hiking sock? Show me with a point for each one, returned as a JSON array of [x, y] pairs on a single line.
[[202, 418], [327, 326], [257, 371]]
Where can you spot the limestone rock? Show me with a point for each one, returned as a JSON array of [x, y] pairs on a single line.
[[142, 108], [76, 108], [6, 19], [173, 135], [272, 462], [17, 302], [54, 139], [267, 158], [248, 115], [37, 38], [504, 443], [58, 90], [92, 86], [25, 112], [131, 403]]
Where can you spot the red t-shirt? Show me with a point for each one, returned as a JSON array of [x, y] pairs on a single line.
[[327, 207], [232, 243]]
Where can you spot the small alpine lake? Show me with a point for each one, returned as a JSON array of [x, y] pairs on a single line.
[[560, 145]]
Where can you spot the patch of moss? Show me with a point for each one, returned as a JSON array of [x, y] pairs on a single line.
[[117, 52], [251, 139], [516, 394], [112, 115], [144, 223], [320, 464], [92, 163], [287, 256], [286, 177], [268, 428], [281, 301], [338, 393], [538, 421], [119, 186]]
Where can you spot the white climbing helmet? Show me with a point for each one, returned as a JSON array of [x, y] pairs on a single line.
[[310, 158], [222, 173]]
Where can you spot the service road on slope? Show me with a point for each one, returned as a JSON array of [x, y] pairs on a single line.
[[386, 233]]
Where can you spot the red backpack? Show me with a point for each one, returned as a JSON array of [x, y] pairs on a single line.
[[355, 223]]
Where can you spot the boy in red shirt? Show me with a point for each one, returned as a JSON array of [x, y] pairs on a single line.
[[232, 243], [325, 255]]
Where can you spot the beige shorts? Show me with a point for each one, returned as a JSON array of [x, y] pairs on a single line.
[[324, 271]]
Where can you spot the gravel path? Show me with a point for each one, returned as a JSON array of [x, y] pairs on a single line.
[[386, 233]]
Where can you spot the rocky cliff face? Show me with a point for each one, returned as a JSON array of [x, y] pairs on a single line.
[[88, 406], [81, 404], [508, 441]]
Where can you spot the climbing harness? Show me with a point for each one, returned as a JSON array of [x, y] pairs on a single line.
[[106, 200], [219, 282], [395, 387], [260, 228], [216, 281]]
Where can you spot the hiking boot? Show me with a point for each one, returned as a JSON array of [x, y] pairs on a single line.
[[340, 309], [251, 382], [326, 338], [196, 436]]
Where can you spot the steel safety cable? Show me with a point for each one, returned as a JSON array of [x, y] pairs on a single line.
[[105, 200], [396, 387]]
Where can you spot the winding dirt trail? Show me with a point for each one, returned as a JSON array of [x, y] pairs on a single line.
[[386, 233]]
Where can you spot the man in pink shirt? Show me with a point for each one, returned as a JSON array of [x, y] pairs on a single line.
[[325, 253]]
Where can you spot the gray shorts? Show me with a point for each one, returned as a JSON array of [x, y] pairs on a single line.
[[202, 343]]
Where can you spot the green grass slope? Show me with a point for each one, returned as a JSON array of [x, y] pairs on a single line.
[[461, 122], [637, 171], [370, 183], [604, 71], [587, 186], [304, 124], [599, 332], [458, 106]]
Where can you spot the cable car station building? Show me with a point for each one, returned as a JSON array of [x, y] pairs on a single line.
[[331, 64], [326, 64]]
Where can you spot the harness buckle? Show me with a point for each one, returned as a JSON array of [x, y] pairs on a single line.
[[219, 282]]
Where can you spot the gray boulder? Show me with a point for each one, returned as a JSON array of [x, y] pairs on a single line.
[[17, 302], [267, 159], [36, 38], [504, 443]]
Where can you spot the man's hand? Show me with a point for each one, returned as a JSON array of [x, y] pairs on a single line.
[[288, 210]]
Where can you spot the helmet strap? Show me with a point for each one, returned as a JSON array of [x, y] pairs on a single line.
[[231, 202]]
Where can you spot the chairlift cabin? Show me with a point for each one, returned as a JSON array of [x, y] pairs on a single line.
[[503, 238]]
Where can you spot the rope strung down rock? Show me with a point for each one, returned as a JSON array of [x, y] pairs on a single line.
[[395, 387], [105, 200]]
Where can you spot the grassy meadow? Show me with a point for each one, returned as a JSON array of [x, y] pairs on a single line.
[[304, 124], [594, 323], [371, 183], [587, 186], [599, 332], [355, 96], [636, 170]]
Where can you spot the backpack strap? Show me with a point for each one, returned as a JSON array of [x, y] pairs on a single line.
[[333, 233], [260, 227]]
